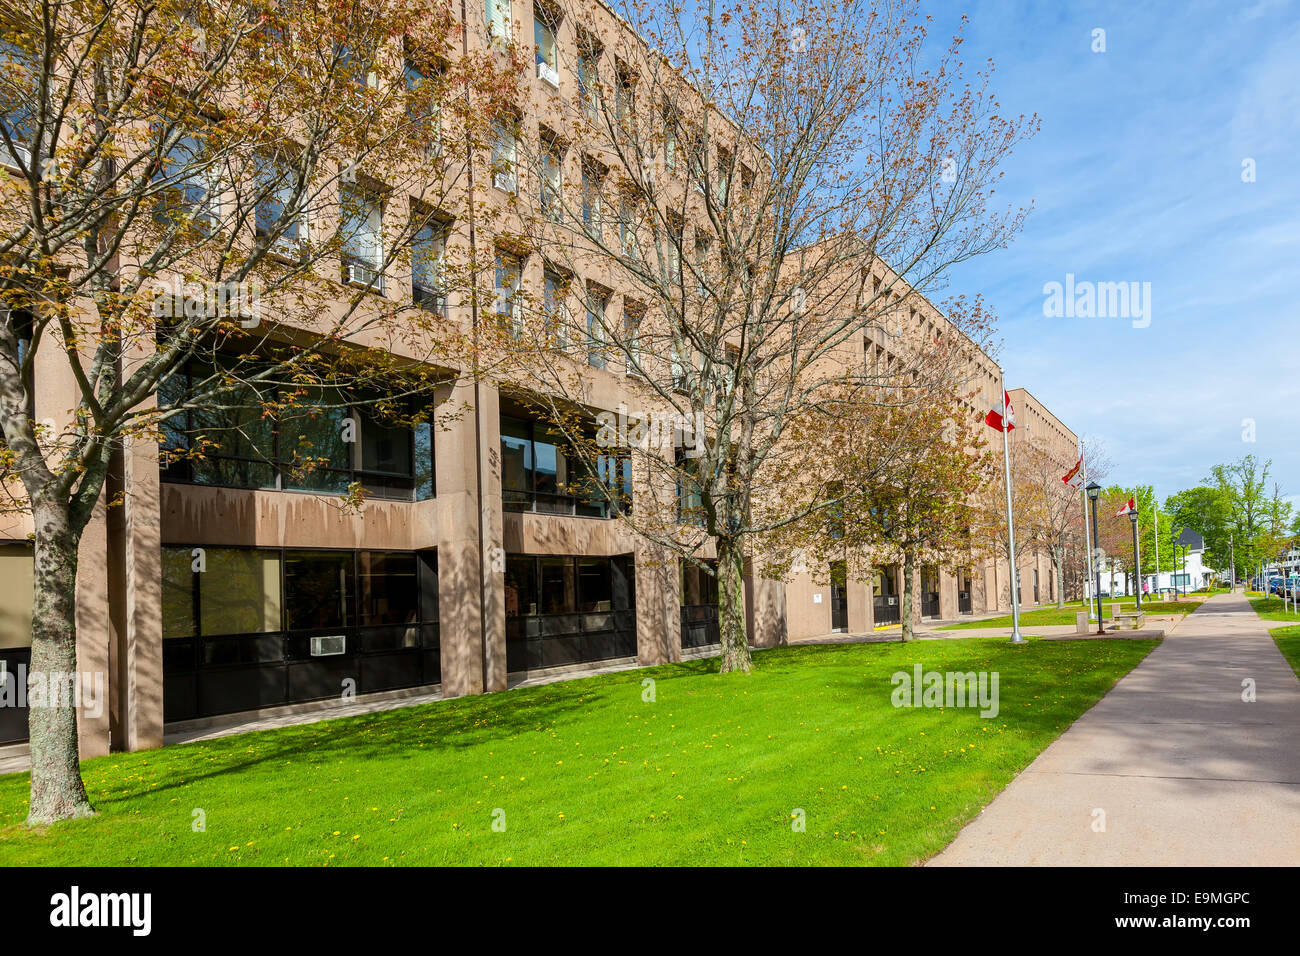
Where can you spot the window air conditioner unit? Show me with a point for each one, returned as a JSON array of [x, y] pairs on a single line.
[[504, 182], [361, 274], [329, 645], [549, 74]]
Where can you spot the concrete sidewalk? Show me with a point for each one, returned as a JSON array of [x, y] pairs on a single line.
[[1181, 770]]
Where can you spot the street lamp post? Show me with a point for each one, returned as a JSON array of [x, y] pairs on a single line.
[[1094, 492], [1137, 563]]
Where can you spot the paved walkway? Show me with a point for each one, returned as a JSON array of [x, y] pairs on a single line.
[[1185, 772]]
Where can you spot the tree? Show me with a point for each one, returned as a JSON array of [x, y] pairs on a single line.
[[1057, 522], [203, 186], [905, 479], [772, 191]]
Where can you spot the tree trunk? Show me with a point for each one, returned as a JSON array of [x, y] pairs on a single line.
[[731, 606], [57, 792], [1060, 580], [909, 566]]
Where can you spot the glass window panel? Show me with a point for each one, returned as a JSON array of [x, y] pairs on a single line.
[[557, 586], [516, 455], [177, 593], [239, 593], [389, 590], [318, 589], [595, 589], [521, 585], [386, 448], [362, 226], [314, 443], [425, 480], [16, 581]]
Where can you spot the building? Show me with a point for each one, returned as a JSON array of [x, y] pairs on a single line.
[[233, 585]]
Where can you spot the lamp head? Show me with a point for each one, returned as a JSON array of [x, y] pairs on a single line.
[[1094, 490]]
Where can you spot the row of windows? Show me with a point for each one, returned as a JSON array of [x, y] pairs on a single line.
[[213, 592], [323, 444], [542, 472]]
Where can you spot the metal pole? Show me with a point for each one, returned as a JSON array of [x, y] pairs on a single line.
[[1096, 585], [1016, 638], [1137, 565], [1083, 490], [1156, 509]]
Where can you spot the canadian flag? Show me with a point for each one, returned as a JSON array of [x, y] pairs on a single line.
[[1074, 476], [1127, 509], [994, 419]]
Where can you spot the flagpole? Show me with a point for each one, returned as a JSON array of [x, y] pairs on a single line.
[[1016, 637], [1087, 534], [1155, 507]]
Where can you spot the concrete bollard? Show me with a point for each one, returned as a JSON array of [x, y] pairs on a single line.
[[1081, 622]]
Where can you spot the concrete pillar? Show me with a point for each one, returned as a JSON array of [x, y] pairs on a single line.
[[658, 605], [471, 580], [56, 394], [860, 610], [137, 558], [947, 595], [765, 612]]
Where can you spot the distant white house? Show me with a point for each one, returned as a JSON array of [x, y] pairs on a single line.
[[1176, 571]]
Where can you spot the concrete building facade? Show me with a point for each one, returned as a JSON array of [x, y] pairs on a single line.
[[231, 586]]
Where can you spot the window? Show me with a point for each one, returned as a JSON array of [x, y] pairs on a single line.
[[544, 39], [188, 185], [702, 246], [555, 293], [361, 214], [17, 568], [541, 472], [591, 213], [624, 96], [596, 338], [17, 105], [699, 586], [551, 180], [670, 140], [323, 444], [422, 105], [632, 318], [690, 491], [277, 187], [563, 610], [503, 156], [681, 366], [356, 68], [673, 250], [428, 247], [627, 229], [498, 19], [723, 175], [589, 77], [508, 306]]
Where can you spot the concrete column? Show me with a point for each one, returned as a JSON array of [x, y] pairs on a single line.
[[765, 612], [471, 580], [137, 556], [56, 394], [658, 605], [860, 609], [947, 595]]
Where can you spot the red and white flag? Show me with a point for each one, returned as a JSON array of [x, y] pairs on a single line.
[[1127, 509], [1074, 476], [994, 419]]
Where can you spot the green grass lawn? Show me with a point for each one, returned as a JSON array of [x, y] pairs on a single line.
[[1047, 616], [587, 772], [1288, 642], [1271, 608]]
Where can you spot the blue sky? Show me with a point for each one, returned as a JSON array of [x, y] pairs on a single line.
[[1136, 175]]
